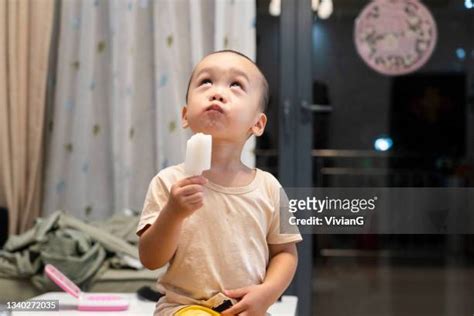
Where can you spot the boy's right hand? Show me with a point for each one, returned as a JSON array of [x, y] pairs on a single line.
[[186, 196]]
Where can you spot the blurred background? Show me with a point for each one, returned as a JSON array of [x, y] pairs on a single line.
[[368, 129], [90, 101]]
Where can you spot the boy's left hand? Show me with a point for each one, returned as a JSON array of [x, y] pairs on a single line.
[[254, 300]]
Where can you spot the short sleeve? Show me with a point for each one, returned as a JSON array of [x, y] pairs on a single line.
[[156, 198], [279, 233]]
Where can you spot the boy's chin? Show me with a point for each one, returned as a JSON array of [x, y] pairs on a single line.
[[216, 135], [214, 131]]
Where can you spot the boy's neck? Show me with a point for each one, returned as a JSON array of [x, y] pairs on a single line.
[[226, 167], [226, 156]]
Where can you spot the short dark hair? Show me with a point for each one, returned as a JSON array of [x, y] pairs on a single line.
[[266, 91]]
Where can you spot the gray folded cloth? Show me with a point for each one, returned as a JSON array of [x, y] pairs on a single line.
[[82, 251]]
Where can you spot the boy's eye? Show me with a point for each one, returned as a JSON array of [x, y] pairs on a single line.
[[204, 81], [236, 83]]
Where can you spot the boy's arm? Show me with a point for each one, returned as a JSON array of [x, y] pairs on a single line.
[[256, 299], [158, 243], [281, 269]]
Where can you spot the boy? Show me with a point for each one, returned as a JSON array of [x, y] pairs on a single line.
[[219, 231]]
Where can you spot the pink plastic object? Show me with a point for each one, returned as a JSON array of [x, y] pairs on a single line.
[[86, 302]]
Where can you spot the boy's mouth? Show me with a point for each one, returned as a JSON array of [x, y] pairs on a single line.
[[215, 107]]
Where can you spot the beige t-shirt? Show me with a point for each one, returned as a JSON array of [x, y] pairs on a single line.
[[224, 244]]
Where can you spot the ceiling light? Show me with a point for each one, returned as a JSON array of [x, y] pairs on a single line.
[[325, 9], [275, 8]]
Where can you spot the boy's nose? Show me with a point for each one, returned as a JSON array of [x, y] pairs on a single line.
[[217, 96]]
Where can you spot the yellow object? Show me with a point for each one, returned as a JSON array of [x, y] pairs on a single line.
[[196, 310]]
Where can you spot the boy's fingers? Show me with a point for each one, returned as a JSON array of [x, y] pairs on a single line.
[[237, 293], [190, 189], [234, 310], [193, 198], [197, 204], [191, 180]]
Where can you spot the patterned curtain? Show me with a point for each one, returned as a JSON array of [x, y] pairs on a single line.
[[122, 73]]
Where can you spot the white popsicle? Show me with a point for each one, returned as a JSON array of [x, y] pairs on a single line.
[[198, 154]]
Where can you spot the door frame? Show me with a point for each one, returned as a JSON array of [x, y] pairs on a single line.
[[295, 126]]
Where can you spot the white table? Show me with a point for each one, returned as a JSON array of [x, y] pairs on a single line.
[[67, 306], [286, 307]]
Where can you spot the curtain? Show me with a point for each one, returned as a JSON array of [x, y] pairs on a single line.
[[122, 74], [25, 34]]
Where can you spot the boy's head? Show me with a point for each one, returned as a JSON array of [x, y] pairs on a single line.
[[226, 97], [265, 90]]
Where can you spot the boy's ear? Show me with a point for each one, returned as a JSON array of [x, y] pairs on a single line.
[[259, 127], [184, 117]]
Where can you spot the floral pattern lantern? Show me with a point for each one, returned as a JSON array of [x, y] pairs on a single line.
[[395, 37]]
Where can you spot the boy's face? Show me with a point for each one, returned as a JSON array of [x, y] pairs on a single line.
[[224, 98]]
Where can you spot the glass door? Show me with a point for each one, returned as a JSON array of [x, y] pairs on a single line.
[[392, 106]]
